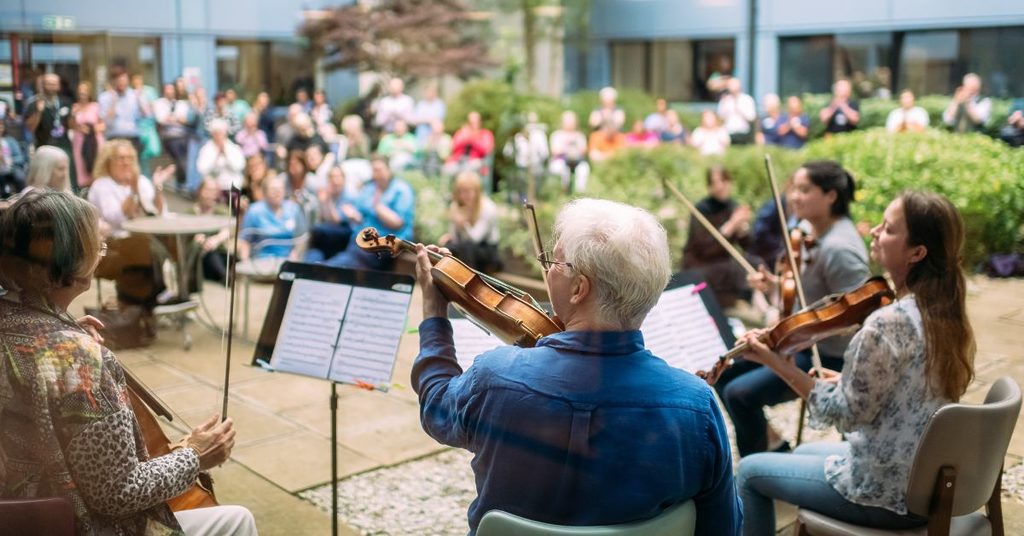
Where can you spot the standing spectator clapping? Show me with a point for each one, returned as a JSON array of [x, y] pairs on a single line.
[[842, 114], [710, 138], [968, 111], [173, 113], [395, 106], [738, 112], [238, 107], [907, 118], [569, 154], [221, 159], [48, 116], [321, 112], [794, 126], [429, 109], [472, 145], [768, 125], [608, 112], [251, 139]]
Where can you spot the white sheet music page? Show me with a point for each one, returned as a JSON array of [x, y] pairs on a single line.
[[370, 336], [680, 330], [309, 327], [471, 340]]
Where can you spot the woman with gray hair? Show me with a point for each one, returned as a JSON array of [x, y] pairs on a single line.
[[582, 401], [49, 168], [91, 451]]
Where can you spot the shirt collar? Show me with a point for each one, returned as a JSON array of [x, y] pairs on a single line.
[[596, 342]]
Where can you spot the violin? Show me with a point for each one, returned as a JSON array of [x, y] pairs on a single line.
[[836, 314], [787, 291], [499, 308], [200, 495]]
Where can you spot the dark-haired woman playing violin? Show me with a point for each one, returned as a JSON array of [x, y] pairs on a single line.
[[909, 359], [820, 196]]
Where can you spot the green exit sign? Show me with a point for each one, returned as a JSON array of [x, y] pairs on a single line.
[[57, 22]]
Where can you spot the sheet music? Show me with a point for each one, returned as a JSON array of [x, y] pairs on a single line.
[[471, 340], [309, 327], [680, 330], [341, 332], [369, 340]]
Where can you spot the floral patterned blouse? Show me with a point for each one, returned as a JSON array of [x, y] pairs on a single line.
[[67, 429], [882, 404]]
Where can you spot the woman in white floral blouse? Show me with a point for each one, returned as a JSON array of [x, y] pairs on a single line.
[[909, 359]]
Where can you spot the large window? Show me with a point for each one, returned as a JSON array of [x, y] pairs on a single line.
[[927, 61], [674, 69], [254, 66]]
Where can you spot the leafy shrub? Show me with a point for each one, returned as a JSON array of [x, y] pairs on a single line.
[[636, 104], [981, 176]]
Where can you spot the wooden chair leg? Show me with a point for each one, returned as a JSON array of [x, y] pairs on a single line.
[[940, 513], [799, 529], [994, 507]]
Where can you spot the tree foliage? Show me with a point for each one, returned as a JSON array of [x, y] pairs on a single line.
[[407, 38]]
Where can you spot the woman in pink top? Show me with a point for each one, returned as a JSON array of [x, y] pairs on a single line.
[[87, 127], [640, 136]]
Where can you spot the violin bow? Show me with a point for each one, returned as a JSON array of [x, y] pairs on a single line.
[[791, 255], [234, 205], [722, 240], [538, 245]]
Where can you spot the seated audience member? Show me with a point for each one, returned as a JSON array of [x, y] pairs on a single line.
[[429, 109], [120, 191], [608, 112], [285, 132], [321, 112], [472, 144], [738, 113], [909, 359], [208, 249], [529, 147], [569, 155], [710, 138], [305, 135], [49, 170], [331, 235], [842, 114], [12, 163], [68, 427], [436, 148], [251, 139], [472, 225], [1013, 131], [387, 203], [907, 118], [604, 143], [319, 166], [768, 125], [275, 218], [296, 173], [703, 253], [399, 146], [968, 111], [795, 125], [551, 426], [395, 106], [674, 131], [657, 121], [256, 172], [221, 159], [353, 143], [639, 136]]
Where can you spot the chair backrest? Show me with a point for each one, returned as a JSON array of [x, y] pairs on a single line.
[[679, 520], [51, 516], [973, 440]]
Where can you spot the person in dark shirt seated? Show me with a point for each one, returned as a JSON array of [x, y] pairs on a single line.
[[702, 251], [587, 427]]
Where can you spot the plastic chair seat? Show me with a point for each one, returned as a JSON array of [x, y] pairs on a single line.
[[679, 520], [975, 524]]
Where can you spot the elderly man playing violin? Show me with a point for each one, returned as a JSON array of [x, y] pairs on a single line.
[[587, 427], [66, 424]]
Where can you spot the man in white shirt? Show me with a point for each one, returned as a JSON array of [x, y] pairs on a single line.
[[907, 118], [738, 112], [395, 106]]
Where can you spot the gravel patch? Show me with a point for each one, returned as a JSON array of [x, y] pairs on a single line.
[[428, 496], [1013, 483]]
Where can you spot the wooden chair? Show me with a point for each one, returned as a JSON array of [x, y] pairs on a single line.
[[957, 469], [680, 520], [51, 516]]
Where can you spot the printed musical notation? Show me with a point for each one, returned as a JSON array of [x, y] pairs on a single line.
[[340, 332], [681, 330]]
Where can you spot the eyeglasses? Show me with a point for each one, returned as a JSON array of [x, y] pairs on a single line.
[[103, 249], [546, 263]]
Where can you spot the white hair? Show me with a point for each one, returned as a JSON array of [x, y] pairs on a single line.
[[219, 125], [608, 93], [623, 250], [40, 169]]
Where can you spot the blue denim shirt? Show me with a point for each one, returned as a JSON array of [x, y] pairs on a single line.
[[586, 428]]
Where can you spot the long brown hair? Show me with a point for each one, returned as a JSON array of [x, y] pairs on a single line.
[[938, 284], [472, 211]]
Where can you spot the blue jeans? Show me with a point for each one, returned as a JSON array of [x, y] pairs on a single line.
[[361, 259], [747, 387], [799, 479], [327, 240]]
